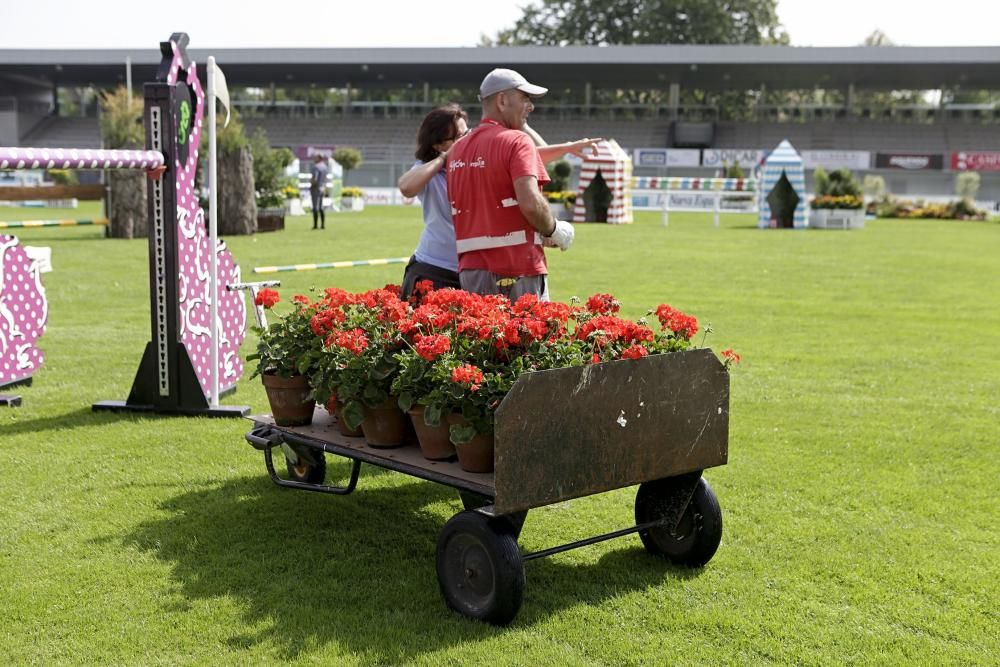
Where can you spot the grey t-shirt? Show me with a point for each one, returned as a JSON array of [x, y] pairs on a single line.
[[317, 182]]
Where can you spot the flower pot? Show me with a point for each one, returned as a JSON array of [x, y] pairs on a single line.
[[270, 219], [342, 426], [433, 440], [291, 399], [352, 203], [384, 426], [477, 454]]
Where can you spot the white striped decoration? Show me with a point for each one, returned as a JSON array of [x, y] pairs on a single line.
[[616, 168], [77, 158], [782, 160]]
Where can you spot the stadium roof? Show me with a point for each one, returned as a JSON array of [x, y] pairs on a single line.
[[703, 67]]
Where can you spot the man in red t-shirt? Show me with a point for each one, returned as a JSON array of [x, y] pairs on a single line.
[[495, 176]]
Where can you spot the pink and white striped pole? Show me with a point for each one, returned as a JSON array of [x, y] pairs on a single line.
[[78, 158]]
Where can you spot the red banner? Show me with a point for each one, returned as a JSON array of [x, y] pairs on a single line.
[[975, 161]]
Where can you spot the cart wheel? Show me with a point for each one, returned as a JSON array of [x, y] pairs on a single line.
[[479, 568], [308, 471], [698, 533]]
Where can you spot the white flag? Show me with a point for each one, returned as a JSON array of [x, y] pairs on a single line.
[[221, 91]]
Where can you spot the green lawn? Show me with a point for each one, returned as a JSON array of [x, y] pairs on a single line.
[[860, 502]]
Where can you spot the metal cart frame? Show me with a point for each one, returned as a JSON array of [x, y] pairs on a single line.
[[657, 422]]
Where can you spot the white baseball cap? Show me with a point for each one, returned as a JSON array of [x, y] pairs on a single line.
[[500, 80]]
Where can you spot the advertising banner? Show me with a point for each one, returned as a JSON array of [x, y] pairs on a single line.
[[666, 158], [721, 157], [909, 161], [307, 151], [854, 160], [975, 161]]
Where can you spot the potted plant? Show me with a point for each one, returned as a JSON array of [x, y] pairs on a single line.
[[413, 386], [269, 181], [352, 199], [839, 201], [349, 158], [357, 364], [561, 203], [293, 200], [287, 349]]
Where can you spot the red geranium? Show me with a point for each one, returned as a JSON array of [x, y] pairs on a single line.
[[603, 304], [267, 297], [432, 347], [682, 324], [353, 341], [468, 375], [634, 352]]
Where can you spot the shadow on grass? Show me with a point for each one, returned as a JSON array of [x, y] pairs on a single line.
[[68, 420], [308, 569]]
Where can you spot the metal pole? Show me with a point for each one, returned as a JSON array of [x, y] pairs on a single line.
[[213, 236], [128, 80]]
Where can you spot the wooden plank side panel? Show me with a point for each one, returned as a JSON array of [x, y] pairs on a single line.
[[85, 192], [574, 432]]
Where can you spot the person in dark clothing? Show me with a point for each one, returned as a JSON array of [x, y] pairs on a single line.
[[317, 186]]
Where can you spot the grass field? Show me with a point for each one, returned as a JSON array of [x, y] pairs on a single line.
[[860, 502]]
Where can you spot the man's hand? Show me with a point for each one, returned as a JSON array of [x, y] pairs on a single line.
[[580, 146], [561, 237]]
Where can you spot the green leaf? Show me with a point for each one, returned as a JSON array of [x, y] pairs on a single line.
[[432, 415], [461, 434], [405, 401], [354, 414]]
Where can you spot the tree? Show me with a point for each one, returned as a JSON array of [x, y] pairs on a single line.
[[604, 22], [121, 127], [348, 158], [237, 204], [269, 170]]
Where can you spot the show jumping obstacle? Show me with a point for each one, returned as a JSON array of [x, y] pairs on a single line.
[[175, 375], [331, 265], [703, 195]]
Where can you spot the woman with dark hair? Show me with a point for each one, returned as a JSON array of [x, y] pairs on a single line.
[[435, 258]]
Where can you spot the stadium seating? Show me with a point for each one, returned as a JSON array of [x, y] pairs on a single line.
[[394, 139]]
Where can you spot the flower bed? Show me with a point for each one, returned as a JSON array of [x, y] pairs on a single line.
[[453, 352]]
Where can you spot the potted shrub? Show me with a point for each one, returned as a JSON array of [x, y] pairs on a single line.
[[561, 203], [269, 181], [349, 158], [287, 349], [839, 201], [352, 199], [293, 200]]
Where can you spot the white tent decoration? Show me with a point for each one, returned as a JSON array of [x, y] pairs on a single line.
[[615, 167], [783, 160]]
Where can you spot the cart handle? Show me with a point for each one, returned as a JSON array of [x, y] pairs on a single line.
[[263, 438]]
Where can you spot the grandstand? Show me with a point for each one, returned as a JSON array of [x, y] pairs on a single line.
[[385, 131]]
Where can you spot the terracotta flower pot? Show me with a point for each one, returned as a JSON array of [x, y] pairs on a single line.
[[433, 440], [290, 398], [384, 426], [342, 426], [477, 454]]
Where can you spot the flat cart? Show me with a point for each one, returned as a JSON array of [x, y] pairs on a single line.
[[655, 422]]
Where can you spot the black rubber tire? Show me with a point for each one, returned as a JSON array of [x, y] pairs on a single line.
[[479, 568], [698, 533], [308, 471]]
